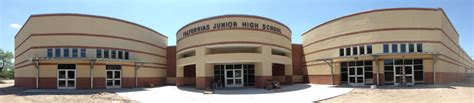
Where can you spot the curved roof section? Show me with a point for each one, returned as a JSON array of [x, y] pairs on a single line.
[[233, 15], [371, 11], [93, 16]]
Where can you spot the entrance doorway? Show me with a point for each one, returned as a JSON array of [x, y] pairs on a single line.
[[234, 75], [356, 76], [404, 75], [114, 76], [66, 76]]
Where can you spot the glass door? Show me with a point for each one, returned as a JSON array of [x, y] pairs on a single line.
[[403, 75], [114, 76], [234, 75], [66, 79], [356, 76]]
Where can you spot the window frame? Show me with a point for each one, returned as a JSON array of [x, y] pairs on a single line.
[[49, 52], [386, 48]]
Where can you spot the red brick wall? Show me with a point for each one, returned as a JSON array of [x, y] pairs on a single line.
[[297, 59], [47, 83], [189, 71], [278, 70], [171, 61], [261, 80], [324, 79], [25, 82], [99, 83], [83, 83], [204, 82]]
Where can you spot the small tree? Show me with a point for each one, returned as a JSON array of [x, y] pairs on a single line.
[[6, 70]]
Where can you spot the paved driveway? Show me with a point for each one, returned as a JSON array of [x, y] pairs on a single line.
[[296, 93]]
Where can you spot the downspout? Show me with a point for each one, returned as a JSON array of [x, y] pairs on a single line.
[[91, 69], [137, 66], [36, 63], [331, 67]]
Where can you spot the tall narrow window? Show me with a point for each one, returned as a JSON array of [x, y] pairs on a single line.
[[361, 50], [411, 48], [419, 48], [83, 52], [126, 55], [394, 48], [114, 54], [50, 52], [369, 49], [348, 51], [385, 48], [106, 53], [98, 53], [354, 50], [120, 54], [341, 51], [74, 52], [57, 52], [403, 48], [66, 52]]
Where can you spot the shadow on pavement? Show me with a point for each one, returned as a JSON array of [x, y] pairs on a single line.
[[249, 90]]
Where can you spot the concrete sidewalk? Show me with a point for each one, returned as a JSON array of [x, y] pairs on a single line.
[[297, 93]]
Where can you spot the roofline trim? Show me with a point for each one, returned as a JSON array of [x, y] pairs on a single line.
[[88, 15]]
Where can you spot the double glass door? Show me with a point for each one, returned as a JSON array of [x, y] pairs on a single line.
[[403, 75], [234, 76], [66, 79], [114, 76], [356, 76]]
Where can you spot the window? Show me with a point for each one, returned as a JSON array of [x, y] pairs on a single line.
[[361, 50], [385, 48], [66, 52], [348, 51], [50, 52], [120, 54], [394, 48], [419, 48], [341, 52], [411, 48], [114, 54], [74, 52], [98, 53], [57, 52], [354, 50], [106, 53], [126, 55], [403, 48], [83, 52], [369, 49]]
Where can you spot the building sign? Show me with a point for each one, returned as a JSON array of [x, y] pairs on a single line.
[[232, 24]]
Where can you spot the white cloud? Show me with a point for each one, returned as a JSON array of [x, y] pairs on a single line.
[[16, 26]]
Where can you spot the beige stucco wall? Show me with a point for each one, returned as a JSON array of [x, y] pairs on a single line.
[[378, 27], [89, 32], [264, 41]]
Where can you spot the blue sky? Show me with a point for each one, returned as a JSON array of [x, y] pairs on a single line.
[[167, 17]]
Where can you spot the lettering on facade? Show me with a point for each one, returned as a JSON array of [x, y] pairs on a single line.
[[231, 24]]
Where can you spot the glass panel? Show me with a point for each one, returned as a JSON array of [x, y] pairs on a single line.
[[230, 74], [360, 79], [99, 53], [117, 74], [418, 67], [341, 52], [398, 62], [354, 50], [398, 79], [408, 70], [368, 75], [411, 48], [238, 81], [229, 67], [398, 70], [351, 71], [409, 79], [238, 73], [120, 54], [110, 83], [230, 81], [70, 83], [368, 63], [50, 52], [114, 54], [418, 75], [348, 51], [66, 52], [361, 49], [83, 52], [71, 74], [62, 74], [109, 74], [388, 68], [126, 55], [359, 63], [343, 76], [117, 82], [360, 71], [66, 66], [351, 79], [369, 49], [418, 61], [419, 48], [57, 52], [106, 53], [367, 69], [62, 83], [343, 70], [388, 62], [388, 76], [351, 63], [344, 64], [238, 66], [408, 61], [74, 52], [403, 48], [385, 48]]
